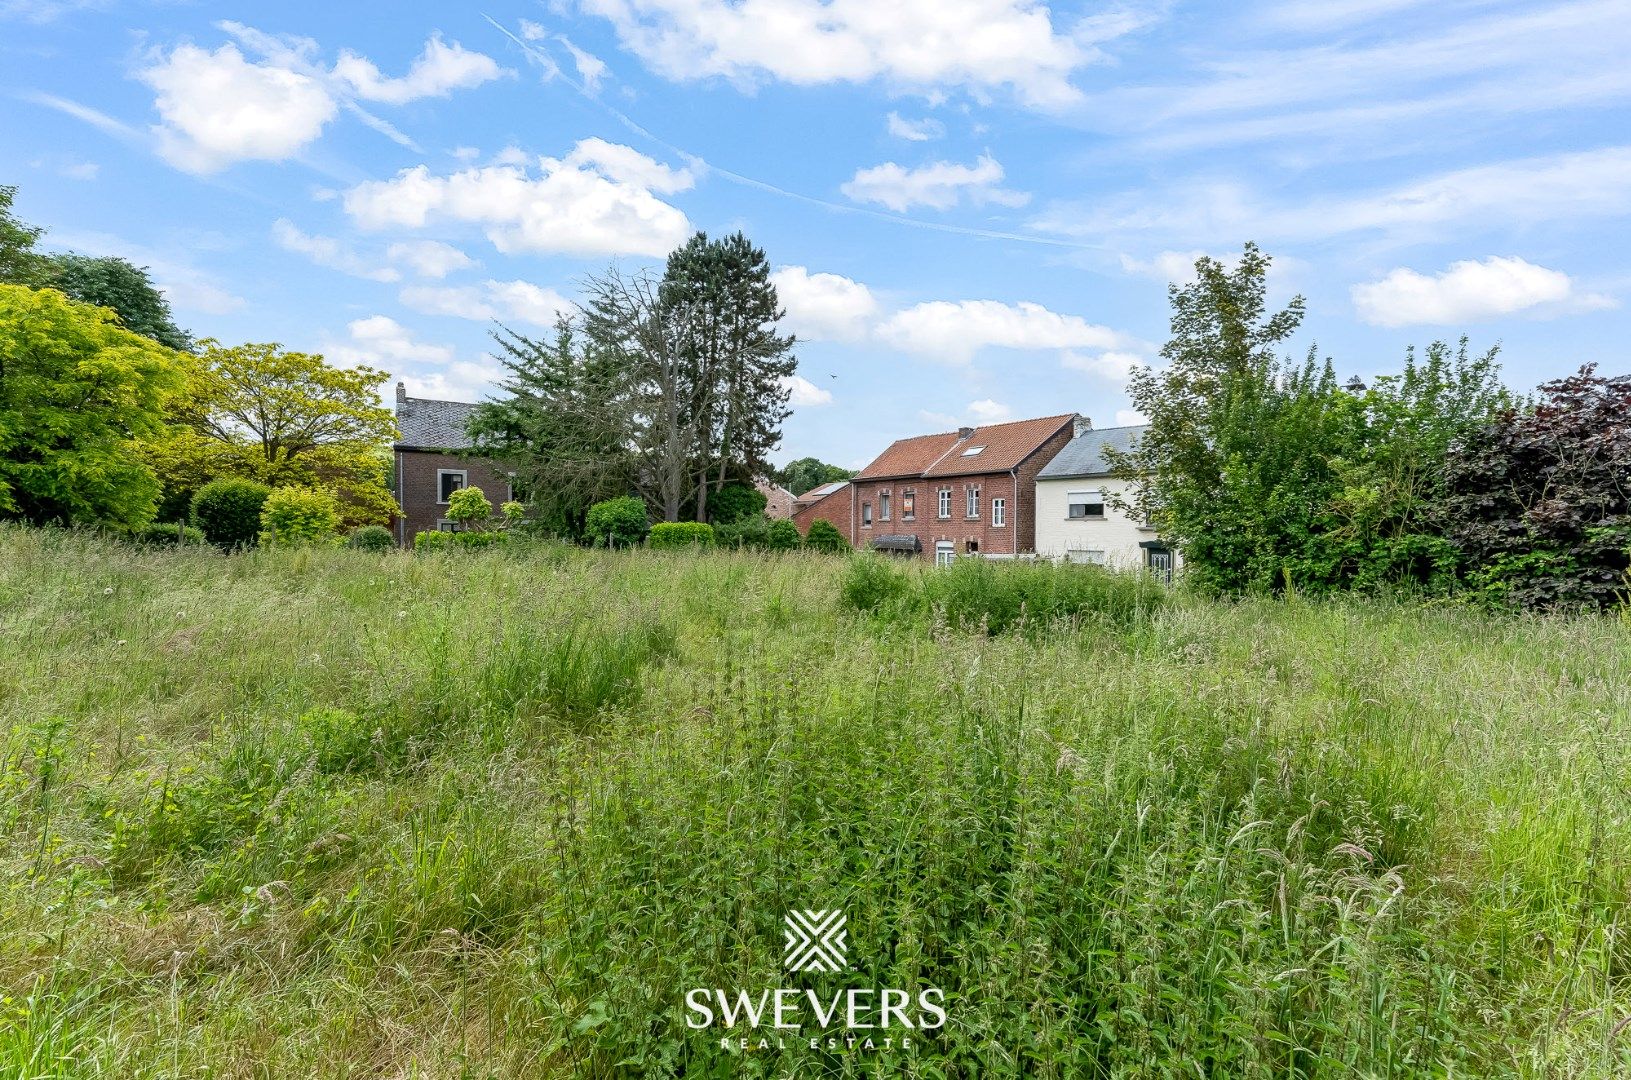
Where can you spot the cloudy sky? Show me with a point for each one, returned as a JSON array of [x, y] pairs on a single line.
[[974, 206]]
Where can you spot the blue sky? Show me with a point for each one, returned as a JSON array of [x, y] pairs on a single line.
[[974, 206]]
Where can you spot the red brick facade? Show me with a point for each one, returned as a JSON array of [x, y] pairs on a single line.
[[834, 508], [418, 488], [910, 504]]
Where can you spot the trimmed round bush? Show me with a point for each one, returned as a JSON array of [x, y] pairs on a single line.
[[371, 538], [228, 511], [824, 536], [171, 534], [783, 535], [299, 516], [668, 535], [617, 522]]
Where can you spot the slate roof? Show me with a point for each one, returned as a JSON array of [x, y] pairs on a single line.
[[1006, 445], [816, 494], [428, 424], [1084, 455]]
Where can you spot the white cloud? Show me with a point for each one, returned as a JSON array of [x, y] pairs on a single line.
[[1177, 267], [1130, 418], [429, 370], [915, 130], [218, 108], [1468, 291], [189, 293], [1112, 364], [438, 71], [591, 68], [916, 45], [598, 200], [505, 301], [81, 170], [939, 185], [989, 412], [380, 339], [824, 307], [805, 394], [955, 332], [429, 258], [329, 252]]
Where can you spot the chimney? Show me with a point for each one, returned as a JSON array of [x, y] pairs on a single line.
[[401, 395], [1356, 385], [1080, 426], [964, 432]]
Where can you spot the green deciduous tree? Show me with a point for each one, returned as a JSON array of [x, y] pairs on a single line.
[[284, 418], [20, 264], [617, 522], [735, 502], [228, 511], [299, 516], [807, 473], [76, 391], [469, 508], [123, 287]]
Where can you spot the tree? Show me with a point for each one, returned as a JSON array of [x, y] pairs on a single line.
[[1538, 501], [562, 427], [469, 507], [737, 501], [20, 264], [808, 473], [76, 390], [738, 364], [125, 288], [228, 511], [285, 419], [299, 516]]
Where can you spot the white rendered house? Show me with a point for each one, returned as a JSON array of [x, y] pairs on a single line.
[[1075, 518]]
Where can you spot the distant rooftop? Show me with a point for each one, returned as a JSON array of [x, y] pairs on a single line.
[[1084, 455], [429, 424]]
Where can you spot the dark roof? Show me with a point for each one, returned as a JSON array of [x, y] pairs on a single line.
[[1004, 447], [816, 494], [429, 424], [897, 542], [1084, 455]]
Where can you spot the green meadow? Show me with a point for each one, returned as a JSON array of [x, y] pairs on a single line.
[[327, 813]]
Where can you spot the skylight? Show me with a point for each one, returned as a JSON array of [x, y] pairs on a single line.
[[972, 451]]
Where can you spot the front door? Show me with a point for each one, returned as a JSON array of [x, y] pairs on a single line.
[[944, 552], [1159, 561]]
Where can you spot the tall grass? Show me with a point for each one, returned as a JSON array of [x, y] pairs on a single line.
[[354, 814]]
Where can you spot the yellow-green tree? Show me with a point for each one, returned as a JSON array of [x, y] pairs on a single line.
[[76, 392], [286, 419]]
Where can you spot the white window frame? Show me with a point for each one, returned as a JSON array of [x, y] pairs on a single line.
[[972, 493], [445, 525], [464, 482], [944, 552], [1086, 499], [1086, 556], [945, 504], [883, 506], [999, 513], [866, 515]]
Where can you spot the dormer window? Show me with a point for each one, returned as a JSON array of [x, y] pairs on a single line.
[[973, 451]]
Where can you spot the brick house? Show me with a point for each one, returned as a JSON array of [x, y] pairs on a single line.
[[778, 500], [828, 502], [965, 492], [430, 464]]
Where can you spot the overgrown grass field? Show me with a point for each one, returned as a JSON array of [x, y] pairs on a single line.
[[340, 814]]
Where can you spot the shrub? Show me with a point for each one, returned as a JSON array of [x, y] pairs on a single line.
[[735, 502], [783, 535], [228, 511], [167, 533], [469, 506], [752, 532], [824, 536], [433, 540], [295, 516], [371, 538], [999, 596], [617, 522], [668, 535]]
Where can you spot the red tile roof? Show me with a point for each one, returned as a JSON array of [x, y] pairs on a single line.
[[1006, 445]]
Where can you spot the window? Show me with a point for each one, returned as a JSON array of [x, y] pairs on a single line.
[[444, 525], [945, 502], [883, 506], [999, 512], [448, 481], [866, 515], [1095, 558], [944, 552], [973, 501], [1086, 504], [971, 546], [973, 451], [908, 504]]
